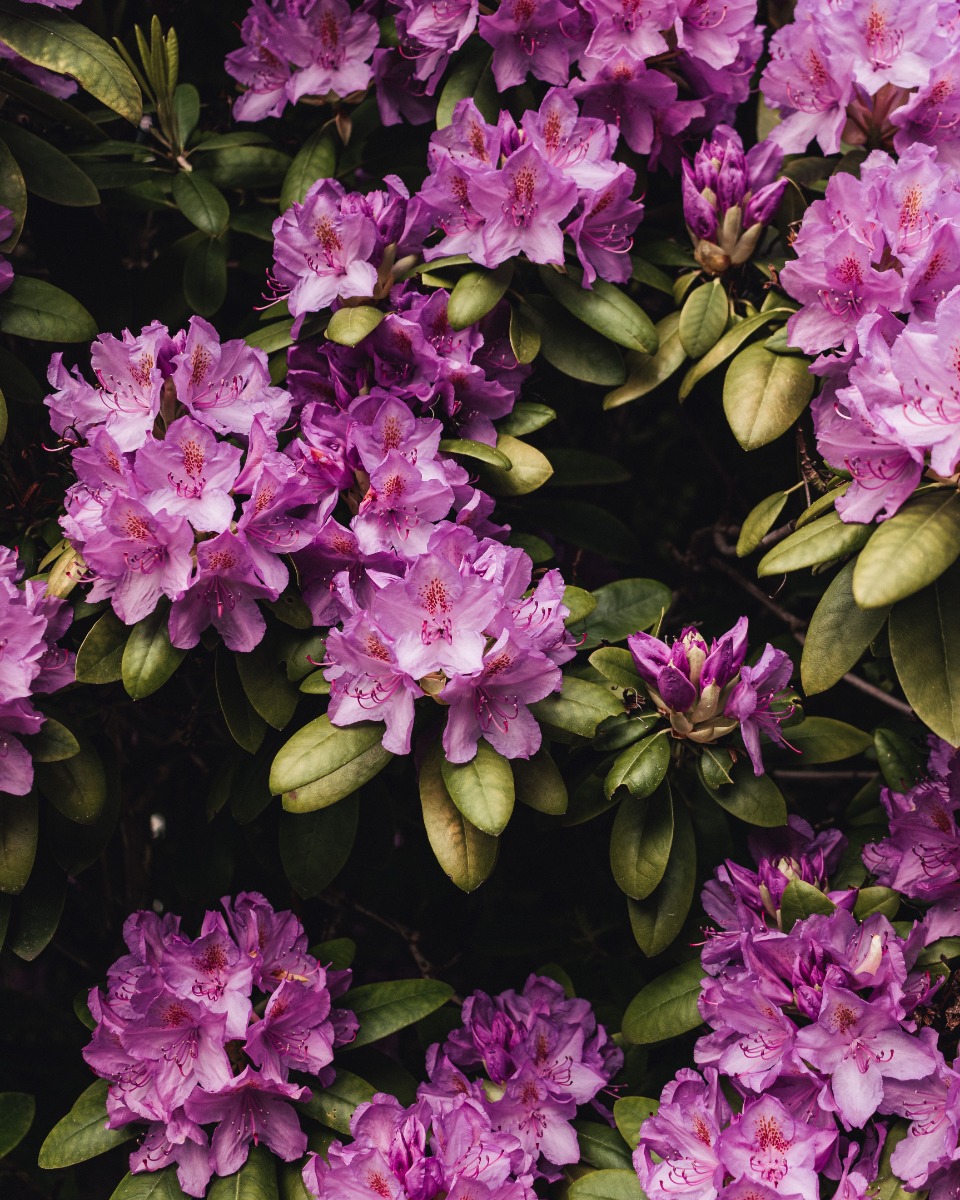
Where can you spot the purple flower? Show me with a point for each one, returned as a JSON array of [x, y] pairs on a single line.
[[530, 36], [332, 45], [751, 702], [767, 1144], [684, 1135]]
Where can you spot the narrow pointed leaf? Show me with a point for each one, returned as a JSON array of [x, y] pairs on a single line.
[[383, 1008], [759, 522], [666, 1007], [201, 202], [925, 644], [640, 842], [658, 919], [83, 1132], [822, 541], [838, 634], [647, 371], [703, 318], [604, 307]]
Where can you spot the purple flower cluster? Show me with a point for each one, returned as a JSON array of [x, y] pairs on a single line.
[[877, 272], [866, 71], [205, 1031], [167, 502], [819, 1029], [729, 196], [706, 691], [543, 1055], [30, 663], [296, 48]]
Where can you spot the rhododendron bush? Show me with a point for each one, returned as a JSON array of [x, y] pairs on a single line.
[[479, 602]]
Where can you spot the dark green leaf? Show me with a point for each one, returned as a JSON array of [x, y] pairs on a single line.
[[186, 111], [100, 657], [581, 468], [820, 542], [573, 348], [729, 344], [476, 292], [246, 726], [149, 1185], [640, 768], [588, 525], [647, 371], [625, 607], [18, 841], [316, 159], [201, 202], [716, 766], [630, 1112], [256, 1179], [338, 759], [666, 1007], [383, 1008], [479, 451], [605, 308], [925, 644], [338, 953], [37, 913], [640, 842], [77, 786], [529, 469], [16, 1116], [60, 44], [872, 900], [764, 393], [265, 682], [242, 166], [466, 79], [47, 171], [606, 1185], [349, 326], [899, 760], [755, 799], [759, 522], [703, 318], [839, 633], [539, 784], [76, 847], [616, 665], [824, 740], [32, 308], [910, 550], [53, 743], [274, 337], [799, 901], [525, 344], [83, 1133], [148, 658], [482, 789], [465, 853], [205, 275], [335, 1105], [601, 1146], [315, 846], [13, 195], [658, 919], [579, 708]]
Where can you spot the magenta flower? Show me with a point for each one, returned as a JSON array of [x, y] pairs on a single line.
[[190, 473], [751, 702], [522, 206], [768, 1145], [332, 45], [529, 36], [684, 1135]]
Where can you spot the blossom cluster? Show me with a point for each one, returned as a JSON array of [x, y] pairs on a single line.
[[543, 1055], [877, 272], [866, 73], [31, 663], [819, 1031], [707, 692], [194, 1032]]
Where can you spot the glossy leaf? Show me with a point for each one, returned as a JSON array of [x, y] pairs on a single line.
[[148, 657], [33, 308], [19, 833], [764, 394], [82, 1134], [657, 920], [913, 548], [335, 1105], [579, 604], [647, 371], [383, 1008], [759, 522], [582, 468], [243, 165], [470, 76], [246, 726], [47, 171], [256, 1179], [62, 45], [573, 348], [666, 1007], [201, 202], [539, 784], [579, 708], [625, 607], [349, 326], [476, 292], [100, 657], [601, 1146], [899, 760], [479, 451], [149, 1185], [820, 542], [728, 345], [529, 469], [76, 786], [801, 900], [17, 1110], [640, 842], [587, 525], [838, 634], [881, 900], [205, 275], [824, 740], [265, 682], [316, 159], [524, 342], [605, 308], [703, 318], [465, 853], [482, 789], [323, 762], [527, 416], [925, 644], [315, 846], [616, 665], [39, 907], [53, 743], [630, 1112], [640, 768], [755, 799], [13, 195]]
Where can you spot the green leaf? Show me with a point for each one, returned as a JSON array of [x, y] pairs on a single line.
[[666, 1007], [601, 1146], [148, 658], [48, 172], [524, 342], [579, 603], [100, 657], [338, 953], [617, 666], [479, 451], [244, 166], [658, 919], [616, 733], [149, 1185], [755, 799], [246, 726], [716, 765], [582, 468], [13, 195], [53, 743], [315, 846], [316, 159], [729, 344], [822, 541], [256, 1179], [471, 70], [19, 832], [539, 784], [349, 326], [647, 371], [83, 1132], [37, 913], [476, 292], [624, 607], [334, 1106], [17, 1111], [265, 682], [605, 308], [910, 550], [32, 308], [887, 1185], [60, 44], [205, 275], [383, 1008], [77, 786], [640, 841], [759, 522], [588, 525], [186, 111], [572, 348], [764, 393], [872, 900], [76, 847], [465, 853], [822, 504], [640, 768], [899, 760], [606, 1185], [630, 1112], [838, 634], [529, 469], [824, 740], [579, 708], [799, 901], [527, 416], [338, 759], [925, 644], [482, 789], [201, 202], [703, 318], [270, 338]]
